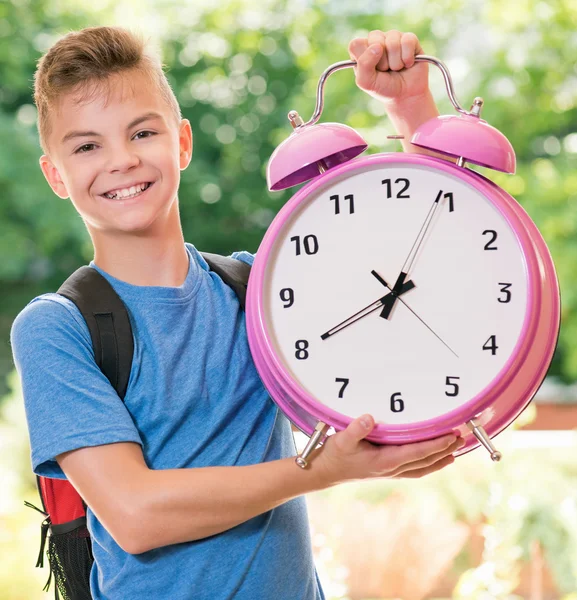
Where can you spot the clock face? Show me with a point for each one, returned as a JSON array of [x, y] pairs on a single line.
[[457, 312]]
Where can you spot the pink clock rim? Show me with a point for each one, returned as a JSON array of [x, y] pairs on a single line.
[[384, 431]]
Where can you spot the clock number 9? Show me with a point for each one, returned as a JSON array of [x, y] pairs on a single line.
[[301, 347], [287, 295], [310, 243], [400, 193], [397, 403]]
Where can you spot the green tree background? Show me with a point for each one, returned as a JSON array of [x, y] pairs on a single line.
[[238, 67]]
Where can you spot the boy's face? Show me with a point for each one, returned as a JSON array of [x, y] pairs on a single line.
[[110, 147]]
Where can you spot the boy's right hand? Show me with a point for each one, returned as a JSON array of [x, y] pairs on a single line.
[[346, 455]]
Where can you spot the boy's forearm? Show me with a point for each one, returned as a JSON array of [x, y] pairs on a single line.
[[408, 115], [181, 505]]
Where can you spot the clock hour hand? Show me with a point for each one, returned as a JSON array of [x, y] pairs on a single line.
[[401, 286], [394, 299]]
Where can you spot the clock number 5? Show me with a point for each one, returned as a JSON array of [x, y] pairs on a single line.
[[455, 391], [397, 403], [310, 243]]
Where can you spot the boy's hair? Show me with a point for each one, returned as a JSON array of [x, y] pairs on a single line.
[[83, 61]]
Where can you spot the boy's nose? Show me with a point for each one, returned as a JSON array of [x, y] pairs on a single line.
[[122, 158]]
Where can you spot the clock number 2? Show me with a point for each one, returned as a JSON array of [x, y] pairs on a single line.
[[310, 243], [397, 403], [493, 234], [401, 192]]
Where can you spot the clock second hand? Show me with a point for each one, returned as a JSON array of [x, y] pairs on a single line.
[[416, 315]]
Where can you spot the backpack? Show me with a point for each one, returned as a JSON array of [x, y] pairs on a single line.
[[69, 549]]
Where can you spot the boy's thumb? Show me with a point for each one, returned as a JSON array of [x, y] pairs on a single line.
[[357, 430]]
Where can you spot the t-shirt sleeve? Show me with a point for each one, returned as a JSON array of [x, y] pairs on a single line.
[[245, 256], [69, 402]]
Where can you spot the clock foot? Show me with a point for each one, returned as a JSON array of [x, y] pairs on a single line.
[[482, 436], [318, 434]]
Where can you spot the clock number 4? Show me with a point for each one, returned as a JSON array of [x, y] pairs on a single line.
[[310, 244], [491, 344], [400, 193], [336, 199]]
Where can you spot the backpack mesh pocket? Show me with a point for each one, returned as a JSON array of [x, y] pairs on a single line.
[[70, 557]]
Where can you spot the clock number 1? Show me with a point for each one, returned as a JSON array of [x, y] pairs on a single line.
[[397, 403]]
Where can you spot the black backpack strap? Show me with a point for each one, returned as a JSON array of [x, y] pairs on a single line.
[[233, 272], [108, 323]]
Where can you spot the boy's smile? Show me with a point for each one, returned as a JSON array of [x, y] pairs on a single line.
[[117, 153]]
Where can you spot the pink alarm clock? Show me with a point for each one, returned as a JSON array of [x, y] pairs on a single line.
[[408, 287]]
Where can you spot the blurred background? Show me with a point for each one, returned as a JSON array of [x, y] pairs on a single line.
[[477, 530]]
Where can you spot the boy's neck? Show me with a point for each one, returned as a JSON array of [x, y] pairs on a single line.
[[157, 258]]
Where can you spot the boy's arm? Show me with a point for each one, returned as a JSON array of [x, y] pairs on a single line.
[[145, 509], [386, 69]]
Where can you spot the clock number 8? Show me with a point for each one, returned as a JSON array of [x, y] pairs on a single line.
[[397, 403], [301, 347]]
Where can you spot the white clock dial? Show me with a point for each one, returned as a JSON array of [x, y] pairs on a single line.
[[444, 340]]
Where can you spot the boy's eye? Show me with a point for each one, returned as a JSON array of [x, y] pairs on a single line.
[[144, 134], [84, 148]]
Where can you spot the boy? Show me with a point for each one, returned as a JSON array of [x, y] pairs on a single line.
[[191, 486]]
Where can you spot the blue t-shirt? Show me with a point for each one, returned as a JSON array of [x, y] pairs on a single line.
[[194, 399]]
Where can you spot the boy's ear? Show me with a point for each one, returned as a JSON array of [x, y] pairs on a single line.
[[53, 177], [185, 143]]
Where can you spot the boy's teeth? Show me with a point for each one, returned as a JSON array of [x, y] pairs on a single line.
[[127, 192]]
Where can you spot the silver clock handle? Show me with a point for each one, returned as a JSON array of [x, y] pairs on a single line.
[[345, 64]]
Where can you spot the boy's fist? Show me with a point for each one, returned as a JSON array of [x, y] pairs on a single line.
[[386, 67]]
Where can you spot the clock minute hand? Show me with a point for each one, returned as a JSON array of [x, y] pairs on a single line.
[[385, 313]]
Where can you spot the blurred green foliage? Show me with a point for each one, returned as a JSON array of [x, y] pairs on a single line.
[[239, 66]]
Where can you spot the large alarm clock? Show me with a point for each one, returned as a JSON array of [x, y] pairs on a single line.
[[401, 285]]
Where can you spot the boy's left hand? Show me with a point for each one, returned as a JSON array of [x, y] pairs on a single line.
[[386, 67]]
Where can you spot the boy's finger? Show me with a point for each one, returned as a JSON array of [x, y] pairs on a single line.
[[356, 431], [430, 460], [357, 47], [410, 47], [366, 64], [393, 49], [395, 457], [417, 473]]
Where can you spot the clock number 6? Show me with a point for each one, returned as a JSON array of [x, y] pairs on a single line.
[[301, 347], [397, 403]]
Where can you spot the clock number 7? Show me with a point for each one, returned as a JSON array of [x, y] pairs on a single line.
[[337, 202], [345, 382]]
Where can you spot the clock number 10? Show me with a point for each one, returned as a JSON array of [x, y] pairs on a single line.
[[310, 244]]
